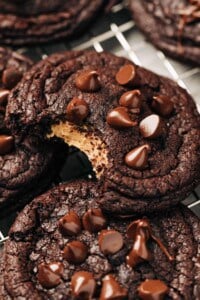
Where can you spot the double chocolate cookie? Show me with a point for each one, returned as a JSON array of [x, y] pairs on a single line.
[[26, 165], [172, 26], [140, 131], [30, 21], [63, 246]]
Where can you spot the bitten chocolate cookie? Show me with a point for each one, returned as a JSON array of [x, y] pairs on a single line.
[[25, 166], [30, 21], [140, 131], [63, 246], [172, 26]]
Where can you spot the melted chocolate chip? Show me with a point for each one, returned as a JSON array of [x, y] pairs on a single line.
[[83, 285], [111, 289], [139, 252], [11, 77], [88, 81], [93, 220], [6, 144], [138, 157], [152, 290], [131, 99], [151, 127], [119, 118], [110, 241], [126, 75], [75, 252], [4, 97], [162, 105], [49, 275], [70, 224], [77, 110]]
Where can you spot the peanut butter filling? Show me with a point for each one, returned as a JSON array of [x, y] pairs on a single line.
[[87, 142]]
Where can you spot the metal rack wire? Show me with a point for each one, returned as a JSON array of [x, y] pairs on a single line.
[[117, 33]]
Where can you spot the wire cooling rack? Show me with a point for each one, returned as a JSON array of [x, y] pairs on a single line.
[[117, 33]]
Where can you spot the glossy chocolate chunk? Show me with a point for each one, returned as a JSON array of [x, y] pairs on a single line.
[[49, 275], [110, 241], [75, 252], [111, 289], [119, 118], [3, 96], [151, 127], [77, 110], [131, 99], [83, 285], [162, 105], [138, 157], [152, 290], [6, 144], [139, 252], [70, 224], [88, 81], [11, 77], [94, 220], [126, 75]]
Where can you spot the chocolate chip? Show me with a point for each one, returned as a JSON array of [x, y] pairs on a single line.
[[6, 144], [138, 157], [119, 118], [77, 110], [83, 285], [162, 105], [110, 241], [88, 81], [151, 127], [131, 99], [111, 289], [11, 77], [75, 252], [139, 252], [49, 275], [70, 224], [153, 289], [4, 97], [94, 220], [127, 75], [141, 227]]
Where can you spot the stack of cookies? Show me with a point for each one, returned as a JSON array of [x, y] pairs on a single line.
[[124, 234]]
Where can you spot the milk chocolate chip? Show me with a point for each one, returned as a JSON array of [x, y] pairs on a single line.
[[4, 97], [151, 127], [75, 252], [110, 241], [93, 220], [152, 290], [6, 144], [119, 118], [49, 275], [11, 77], [77, 110], [83, 285], [162, 105], [126, 75], [138, 157], [88, 81], [132, 100], [139, 252], [70, 224], [111, 290]]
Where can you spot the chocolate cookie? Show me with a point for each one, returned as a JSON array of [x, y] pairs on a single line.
[[140, 131], [172, 26], [63, 246], [30, 21]]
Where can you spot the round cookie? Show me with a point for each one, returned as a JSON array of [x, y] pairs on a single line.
[[172, 26], [140, 131], [35, 21], [62, 246]]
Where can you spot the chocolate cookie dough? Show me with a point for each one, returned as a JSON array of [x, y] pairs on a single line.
[[140, 131], [30, 21], [172, 26], [63, 246]]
